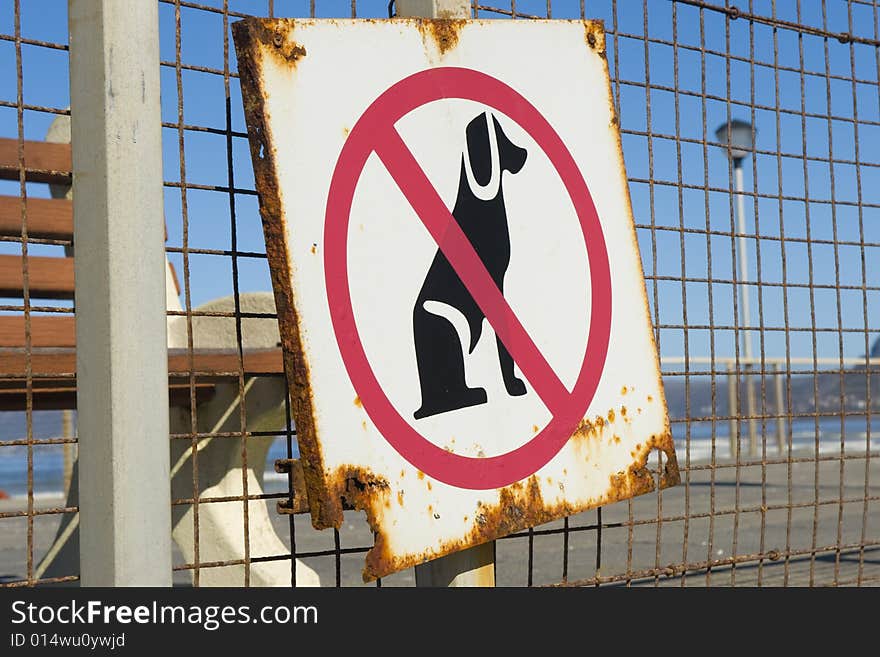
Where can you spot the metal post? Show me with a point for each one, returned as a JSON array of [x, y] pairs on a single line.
[[732, 410], [745, 309], [67, 448], [474, 566], [122, 366], [780, 409]]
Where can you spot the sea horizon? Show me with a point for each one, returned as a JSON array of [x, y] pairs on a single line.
[[697, 436]]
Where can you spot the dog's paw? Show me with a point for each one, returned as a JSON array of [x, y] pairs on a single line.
[[515, 387]]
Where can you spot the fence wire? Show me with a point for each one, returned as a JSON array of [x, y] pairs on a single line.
[[762, 284]]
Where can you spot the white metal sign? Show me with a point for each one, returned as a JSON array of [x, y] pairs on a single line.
[[457, 278]]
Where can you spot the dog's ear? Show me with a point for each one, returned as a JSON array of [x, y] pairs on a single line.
[[479, 150], [481, 161], [512, 156]]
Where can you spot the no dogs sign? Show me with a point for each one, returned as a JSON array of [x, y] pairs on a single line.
[[458, 285]]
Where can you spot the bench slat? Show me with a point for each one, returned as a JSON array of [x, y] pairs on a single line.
[[46, 331], [208, 364], [224, 362], [54, 386], [44, 161], [48, 278], [61, 396], [46, 218]]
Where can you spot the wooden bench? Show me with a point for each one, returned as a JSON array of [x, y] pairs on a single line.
[[38, 362], [53, 336]]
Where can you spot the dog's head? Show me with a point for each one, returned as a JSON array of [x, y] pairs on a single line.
[[489, 153]]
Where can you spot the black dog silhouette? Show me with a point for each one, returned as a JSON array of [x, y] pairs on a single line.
[[479, 211]]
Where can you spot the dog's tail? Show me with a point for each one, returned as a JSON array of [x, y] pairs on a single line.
[[475, 326], [457, 318]]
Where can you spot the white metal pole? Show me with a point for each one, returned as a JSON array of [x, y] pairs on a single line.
[[474, 566], [743, 261], [122, 366], [745, 311]]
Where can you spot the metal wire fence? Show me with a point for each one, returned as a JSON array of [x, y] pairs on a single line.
[[761, 276]]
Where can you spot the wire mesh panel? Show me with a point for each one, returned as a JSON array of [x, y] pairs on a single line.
[[759, 259], [216, 240], [37, 443], [758, 271]]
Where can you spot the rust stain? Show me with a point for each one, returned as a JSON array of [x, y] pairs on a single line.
[[286, 48], [364, 425], [597, 42], [314, 248], [623, 411], [535, 428], [250, 36], [345, 132], [357, 402], [623, 390], [443, 32], [616, 440], [594, 35], [584, 430], [587, 433], [521, 505], [429, 484], [638, 479], [275, 35], [611, 416], [357, 488], [300, 495]]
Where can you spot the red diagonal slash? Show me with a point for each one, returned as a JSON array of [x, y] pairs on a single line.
[[424, 199]]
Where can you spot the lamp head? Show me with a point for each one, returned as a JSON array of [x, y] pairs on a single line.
[[740, 136]]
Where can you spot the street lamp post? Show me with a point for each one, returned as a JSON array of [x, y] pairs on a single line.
[[739, 137]]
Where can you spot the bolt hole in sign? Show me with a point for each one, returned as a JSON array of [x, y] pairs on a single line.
[[459, 290]]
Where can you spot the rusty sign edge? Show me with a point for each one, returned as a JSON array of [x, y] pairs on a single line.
[[520, 504], [248, 35]]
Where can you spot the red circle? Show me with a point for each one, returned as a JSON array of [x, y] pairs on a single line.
[[400, 99]]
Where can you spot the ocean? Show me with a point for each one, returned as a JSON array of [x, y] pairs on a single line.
[[49, 459]]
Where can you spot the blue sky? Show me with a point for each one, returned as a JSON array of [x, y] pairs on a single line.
[[830, 101]]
